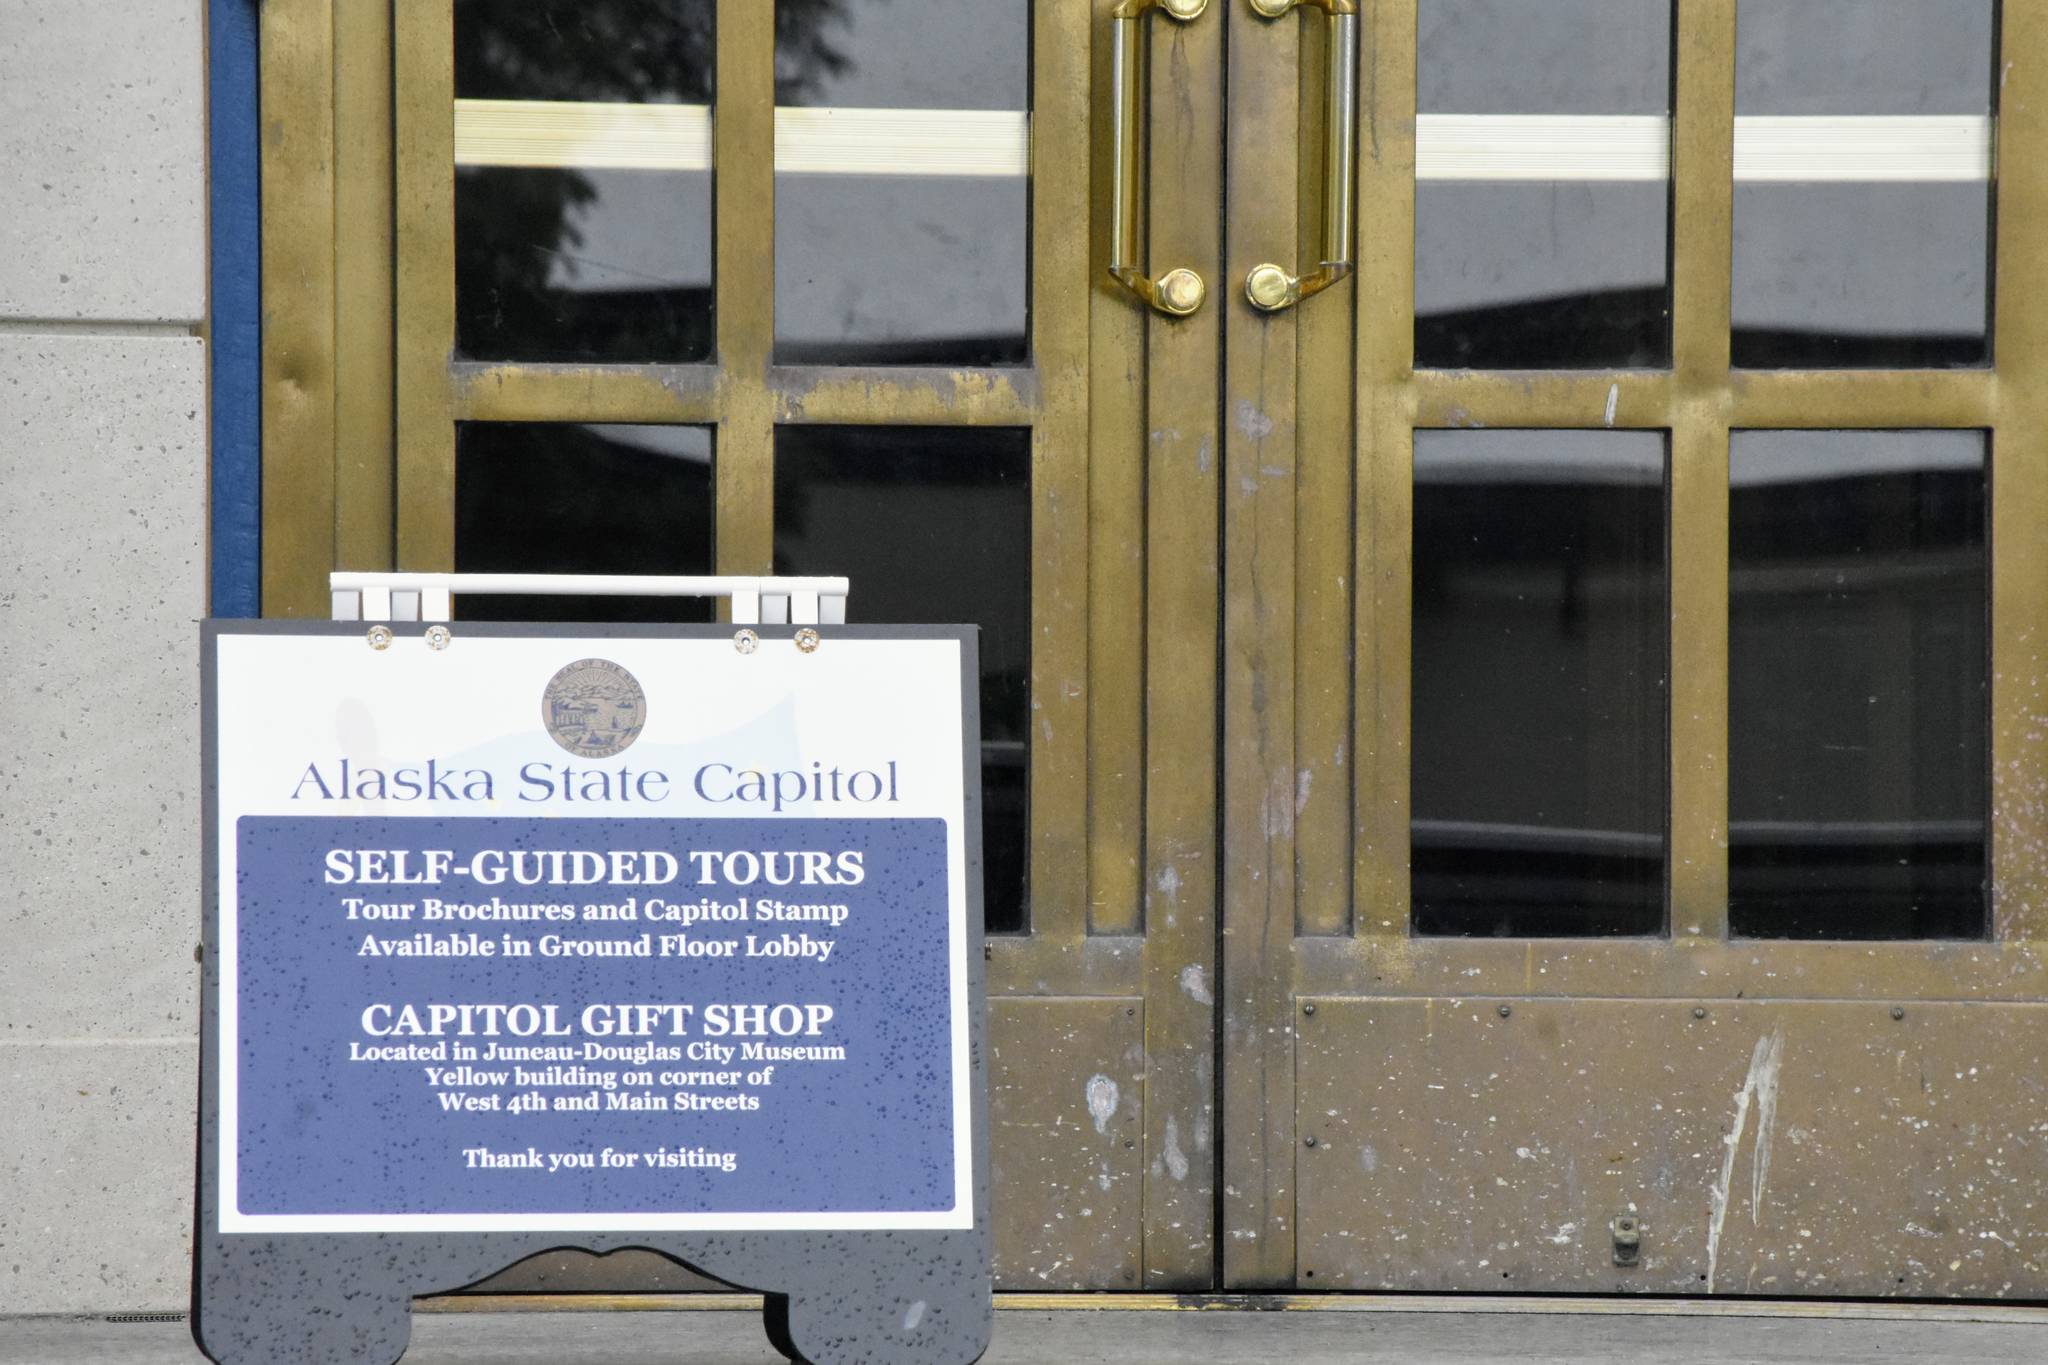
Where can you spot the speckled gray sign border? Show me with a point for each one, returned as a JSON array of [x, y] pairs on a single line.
[[833, 1298]]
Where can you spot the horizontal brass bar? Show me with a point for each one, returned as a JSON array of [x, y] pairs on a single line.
[[1630, 399], [489, 392], [1781, 969], [1862, 399], [1097, 965], [484, 391], [1548, 1306], [908, 396], [1644, 399]]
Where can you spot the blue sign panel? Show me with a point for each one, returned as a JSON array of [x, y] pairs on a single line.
[[461, 1017]]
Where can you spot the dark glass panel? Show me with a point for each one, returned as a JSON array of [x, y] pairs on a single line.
[[1862, 276], [1540, 643], [609, 51], [1857, 696], [1844, 273], [544, 497], [578, 263], [1546, 275], [907, 268], [1516, 272], [1816, 57], [933, 526]]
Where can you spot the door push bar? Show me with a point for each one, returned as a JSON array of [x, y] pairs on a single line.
[[1272, 288], [430, 596], [1180, 291]]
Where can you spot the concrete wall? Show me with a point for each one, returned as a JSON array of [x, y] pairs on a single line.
[[102, 576]]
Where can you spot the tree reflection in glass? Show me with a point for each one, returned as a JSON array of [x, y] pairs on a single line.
[[584, 263]]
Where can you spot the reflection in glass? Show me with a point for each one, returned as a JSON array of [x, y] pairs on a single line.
[[1539, 656], [932, 525], [1542, 194], [1857, 707], [544, 497], [1863, 197], [583, 226], [902, 193]]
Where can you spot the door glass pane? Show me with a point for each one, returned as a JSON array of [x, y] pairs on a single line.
[[933, 525], [1539, 658], [902, 185], [1863, 182], [1857, 687], [583, 179], [1543, 184], [545, 497]]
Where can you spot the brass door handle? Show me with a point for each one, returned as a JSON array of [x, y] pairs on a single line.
[[1178, 292], [1271, 287]]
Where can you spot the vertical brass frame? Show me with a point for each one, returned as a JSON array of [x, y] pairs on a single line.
[[1317, 642], [327, 263], [364, 393]]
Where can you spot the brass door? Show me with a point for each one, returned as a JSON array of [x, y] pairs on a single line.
[[1227, 1052], [684, 286], [1565, 590]]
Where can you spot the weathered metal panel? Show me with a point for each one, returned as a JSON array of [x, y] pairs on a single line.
[[1066, 1101], [1828, 1148], [2019, 490], [1183, 459], [1261, 446]]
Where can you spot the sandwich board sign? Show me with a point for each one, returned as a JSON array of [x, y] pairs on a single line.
[[532, 937]]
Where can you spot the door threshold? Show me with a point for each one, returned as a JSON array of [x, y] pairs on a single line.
[[1558, 1305]]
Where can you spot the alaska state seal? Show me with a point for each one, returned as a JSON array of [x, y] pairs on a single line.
[[593, 708]]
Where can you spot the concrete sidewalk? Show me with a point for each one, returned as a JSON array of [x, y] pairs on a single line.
[[1374, 1336]]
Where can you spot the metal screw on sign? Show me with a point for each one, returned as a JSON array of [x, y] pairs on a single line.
[[807, 640], [438, 637], [746, 642], [380, 637]]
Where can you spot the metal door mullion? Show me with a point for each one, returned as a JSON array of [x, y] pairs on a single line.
[[743, 150], [2019, 489]]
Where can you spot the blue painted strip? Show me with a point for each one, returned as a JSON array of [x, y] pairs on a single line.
[[235, 263]]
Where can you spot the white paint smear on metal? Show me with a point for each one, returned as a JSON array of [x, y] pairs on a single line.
[[678, 137], [1102, 1098], [1637, 147], [1761, 1087], [1176, 1160]]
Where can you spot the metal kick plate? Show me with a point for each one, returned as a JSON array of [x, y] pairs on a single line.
[[1066, 1141], [1770, 1148]]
